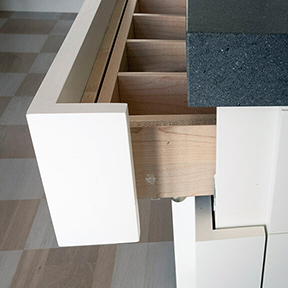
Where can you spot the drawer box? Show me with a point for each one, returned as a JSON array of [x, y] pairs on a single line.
[[96, 156], [173, 145]]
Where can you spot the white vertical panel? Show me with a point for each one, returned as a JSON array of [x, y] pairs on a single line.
[[279, 212], [276, 264], [184, 231], [244, 166], [227, 257], [86, 167], [215, 258]]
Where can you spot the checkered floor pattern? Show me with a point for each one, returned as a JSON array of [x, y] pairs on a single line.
[[29, 254]]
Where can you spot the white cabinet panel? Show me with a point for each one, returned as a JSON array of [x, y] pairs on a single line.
[[185, 242], [214, 258], [279, 213], [246, 146], [276, 264], [86, 166]]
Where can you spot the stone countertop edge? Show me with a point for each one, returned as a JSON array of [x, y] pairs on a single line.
[[237, 53]]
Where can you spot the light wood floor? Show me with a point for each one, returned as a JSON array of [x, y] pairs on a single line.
[[29, 254]]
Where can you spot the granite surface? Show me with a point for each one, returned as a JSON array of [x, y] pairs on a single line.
[[237, 53], [238, 16]]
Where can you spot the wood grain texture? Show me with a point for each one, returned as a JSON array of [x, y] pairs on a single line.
[[4, 101], [155, 220], [42, 235], [156, 93], [30, 85], [130, 262], [159, 26], [103, 273], [66, 255], [72, 275], [16, 62], [16, 218], [10, 82], [163, 6], [124, 62], [8, 264], [28, 26], [15, 142], [156, 55], [116, 57], [22, 179], [173, 120], [144, 265], [174, 161], [30, 270], [70, 267], [93, 84], [160, 272]]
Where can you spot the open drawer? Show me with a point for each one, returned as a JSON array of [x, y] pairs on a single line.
[[119, 56]]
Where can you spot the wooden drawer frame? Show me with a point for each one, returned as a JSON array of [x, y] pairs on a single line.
[[173, 145]]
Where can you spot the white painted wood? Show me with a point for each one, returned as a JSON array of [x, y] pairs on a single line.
[[231, 257], [84, 150], [41, 6], [252, 173], [215, 258], [86, 166], [279, 212], [184, 242], [246, 149], [276, 264]]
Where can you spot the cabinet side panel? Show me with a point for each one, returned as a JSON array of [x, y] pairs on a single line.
[[233, 263], [276, 265], [184, 242], [279, 203], [86, 167], [244, 164]]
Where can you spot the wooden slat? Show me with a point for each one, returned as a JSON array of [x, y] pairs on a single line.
[[156, 55], [116, 57], [163, 6], [159, 26], [93, 84], [174, 161], [156, 93], [172, 120]]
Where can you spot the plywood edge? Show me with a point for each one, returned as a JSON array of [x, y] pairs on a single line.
[[154, 15], [107, 89], [163, 42], [97, 73], [163, 194], [151, 74], [171, 120]]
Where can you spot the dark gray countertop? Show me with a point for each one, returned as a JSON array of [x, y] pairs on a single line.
[[237, 53]]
